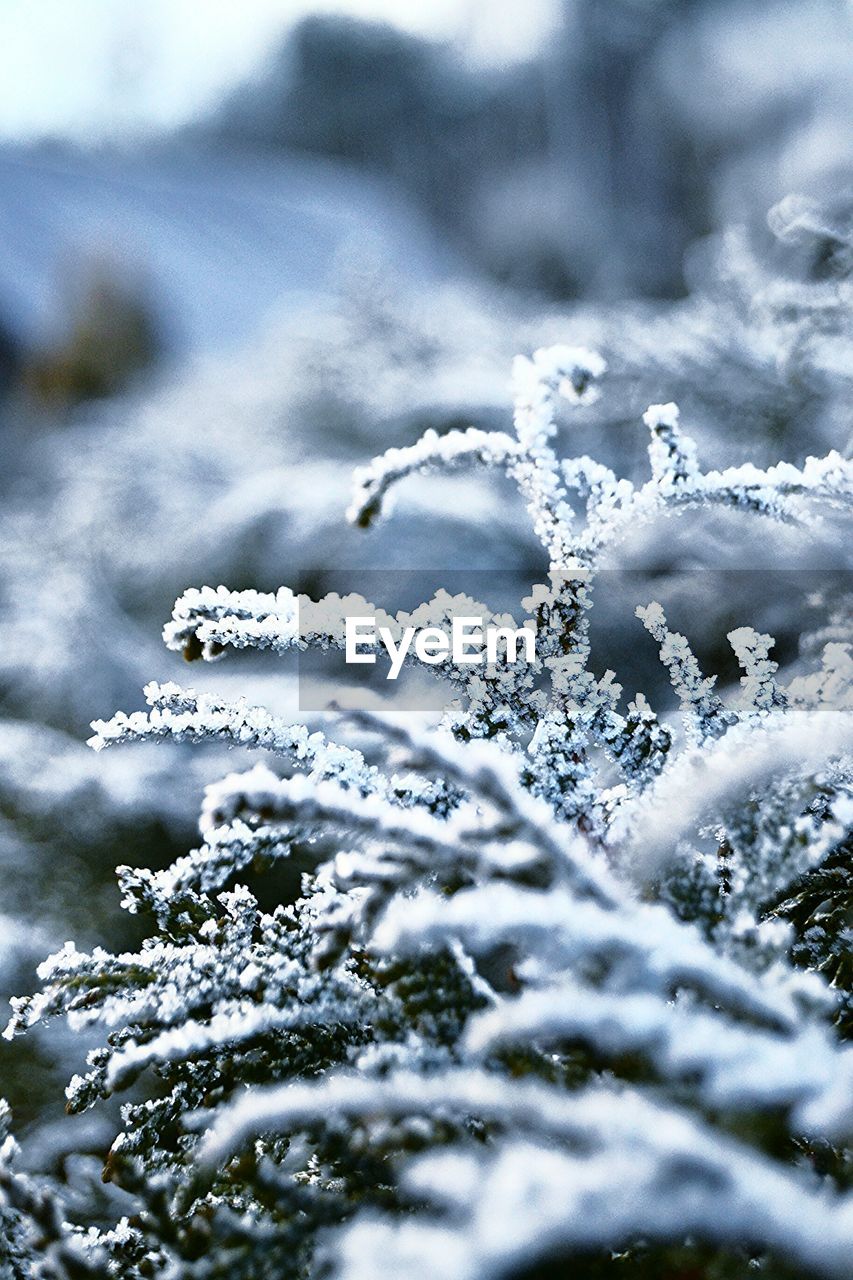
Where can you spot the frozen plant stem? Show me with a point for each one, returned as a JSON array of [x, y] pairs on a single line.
[[472, 1044]]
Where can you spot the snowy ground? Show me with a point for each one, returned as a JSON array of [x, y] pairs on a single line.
[[218, 241]]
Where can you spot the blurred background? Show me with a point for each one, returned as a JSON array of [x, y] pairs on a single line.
[[246, 246]]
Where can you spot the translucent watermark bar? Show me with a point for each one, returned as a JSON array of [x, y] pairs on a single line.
[[413, 640]]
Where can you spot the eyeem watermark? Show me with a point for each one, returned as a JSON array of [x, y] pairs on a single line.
[[411, 639], [467, 641]]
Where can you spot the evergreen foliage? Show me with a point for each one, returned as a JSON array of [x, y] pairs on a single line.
[[565, 980]]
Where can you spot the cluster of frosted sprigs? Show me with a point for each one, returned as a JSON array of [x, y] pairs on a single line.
[[474, 1013]]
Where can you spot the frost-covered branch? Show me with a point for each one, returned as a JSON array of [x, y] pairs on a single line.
[[664, 1167], [558, 979], [430, 453]]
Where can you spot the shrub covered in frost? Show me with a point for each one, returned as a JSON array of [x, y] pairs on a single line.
[[564, 981]]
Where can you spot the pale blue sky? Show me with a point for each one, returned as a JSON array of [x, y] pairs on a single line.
[[93, 69]]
